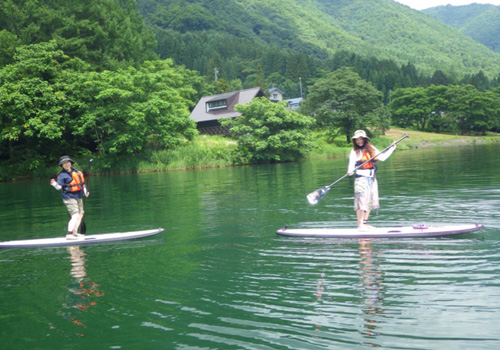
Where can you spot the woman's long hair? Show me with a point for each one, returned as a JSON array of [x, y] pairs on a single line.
[[367, 146]]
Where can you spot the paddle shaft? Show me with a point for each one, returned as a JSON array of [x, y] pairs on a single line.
[[369, 160], [83, 227]]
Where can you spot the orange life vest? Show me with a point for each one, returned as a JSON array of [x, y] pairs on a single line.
[[366, 156], [77, 182]]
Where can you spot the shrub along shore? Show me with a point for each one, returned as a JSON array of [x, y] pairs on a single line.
[[217, 151]]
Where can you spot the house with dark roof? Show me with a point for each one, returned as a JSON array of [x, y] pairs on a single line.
[[210, 109]]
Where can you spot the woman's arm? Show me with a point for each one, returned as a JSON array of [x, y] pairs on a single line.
[[386, 154], [352, 162]]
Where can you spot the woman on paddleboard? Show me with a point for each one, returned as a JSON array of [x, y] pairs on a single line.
[[72, 184], [365, 185]]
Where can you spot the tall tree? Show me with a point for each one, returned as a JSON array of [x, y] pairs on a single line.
[[32, 106], [411, 107], [439, 78], [260, 80], [474, 110], [345, 102], [132, 110]]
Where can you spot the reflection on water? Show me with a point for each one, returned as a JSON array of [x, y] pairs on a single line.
[[77, 256], [221, 279], [320, 288], [371, 277], [82, 293], [367, 265]]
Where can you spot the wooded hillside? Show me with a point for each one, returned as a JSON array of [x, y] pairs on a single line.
[[107, 34], [371, 28], [480, 22]]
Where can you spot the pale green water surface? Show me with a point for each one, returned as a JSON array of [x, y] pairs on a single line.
[[219, 277]]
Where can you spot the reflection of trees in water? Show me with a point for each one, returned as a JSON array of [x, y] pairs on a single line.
[[371, 277], [82, 292]]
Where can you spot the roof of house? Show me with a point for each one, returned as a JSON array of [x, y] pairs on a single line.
[[200, 114], [273, 89], [294, 100]]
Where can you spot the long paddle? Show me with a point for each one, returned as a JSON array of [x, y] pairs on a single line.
[[83, 227], [316, 196]]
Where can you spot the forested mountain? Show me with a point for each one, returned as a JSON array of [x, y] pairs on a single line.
[[480, 22], [198, 30], [106, 34]]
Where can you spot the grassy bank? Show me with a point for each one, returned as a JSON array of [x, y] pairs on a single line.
[[217, 151], [420, 139], [417, 139]]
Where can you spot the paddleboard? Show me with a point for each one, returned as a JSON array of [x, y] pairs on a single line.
[[87, 239], [381, 232]]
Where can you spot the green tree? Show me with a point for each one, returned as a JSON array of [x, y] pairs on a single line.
[[132, 110], [439, 104], [260, 80], [485, 111], [8, 44], [220, 86], [439, 78], [474, 110], [411, 107], [32, 107], [452, 107], [235, 85], [268, 132], [345, 102], [479, 80]]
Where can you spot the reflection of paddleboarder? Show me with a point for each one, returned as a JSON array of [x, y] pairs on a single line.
[[373, 293], [320, 288], [81, 290]]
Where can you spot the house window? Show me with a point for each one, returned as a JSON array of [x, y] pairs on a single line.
[[219, 104], [275, 96]]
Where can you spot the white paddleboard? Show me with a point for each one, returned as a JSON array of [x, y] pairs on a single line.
[[87, 239], [381, 232]]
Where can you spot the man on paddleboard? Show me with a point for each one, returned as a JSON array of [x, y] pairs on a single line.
[[72, 184], [365, 185]]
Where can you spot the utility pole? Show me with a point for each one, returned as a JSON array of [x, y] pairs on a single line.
[[300, 84]]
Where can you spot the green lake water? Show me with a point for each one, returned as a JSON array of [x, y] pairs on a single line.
[[218, 277]]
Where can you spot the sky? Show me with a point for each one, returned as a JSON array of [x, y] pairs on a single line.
[[424, 4]]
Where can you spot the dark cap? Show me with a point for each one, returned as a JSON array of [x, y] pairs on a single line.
[[65, 159]]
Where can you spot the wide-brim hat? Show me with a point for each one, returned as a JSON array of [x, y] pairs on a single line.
[[360, 133], [65, 159]]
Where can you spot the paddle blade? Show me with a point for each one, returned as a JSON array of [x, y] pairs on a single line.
[[316, 196], [83, 228]]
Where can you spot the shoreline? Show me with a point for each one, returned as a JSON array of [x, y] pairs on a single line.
[[420, 139], [416, 140]]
